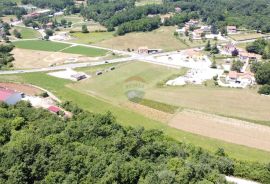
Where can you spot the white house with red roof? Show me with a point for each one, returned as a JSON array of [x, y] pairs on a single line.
[[243, 80], [9, 97]]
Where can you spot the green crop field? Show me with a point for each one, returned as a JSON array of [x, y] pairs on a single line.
[[40, 45], [59, 47], [86, 51], [90, 38], [64, 90], [28, 33]]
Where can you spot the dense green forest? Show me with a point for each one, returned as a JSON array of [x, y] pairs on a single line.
[[10, 8], [39, 147], [247, 13], [262, 75], [220, 13], [55, 4]]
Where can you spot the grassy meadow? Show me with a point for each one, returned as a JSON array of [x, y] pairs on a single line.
[[28, 33], [85, 51], [40, 45], [114, 84], [245, 104], [91, 38], [247, 36], [161, 38], [59, 47]]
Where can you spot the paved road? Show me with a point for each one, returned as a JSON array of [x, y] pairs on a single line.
[[63, 67]]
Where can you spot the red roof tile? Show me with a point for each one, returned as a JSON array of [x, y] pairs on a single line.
[[54, 109], [5, 93]]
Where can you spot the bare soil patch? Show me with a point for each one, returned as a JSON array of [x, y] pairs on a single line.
[[226, 129], [37, 59], [148, 112], [24, 88]]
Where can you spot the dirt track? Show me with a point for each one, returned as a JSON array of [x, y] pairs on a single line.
[[230, 130]]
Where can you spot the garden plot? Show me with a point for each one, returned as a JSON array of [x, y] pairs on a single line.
[[70, 75]]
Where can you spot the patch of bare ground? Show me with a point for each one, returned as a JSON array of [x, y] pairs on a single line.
[[23, 88], [37, 59], [148, 112], [226, 129]]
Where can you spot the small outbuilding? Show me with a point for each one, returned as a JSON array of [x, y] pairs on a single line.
[[54, 109], [79, 76]]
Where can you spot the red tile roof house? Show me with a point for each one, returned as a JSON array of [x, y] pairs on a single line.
[[54, 109], [246, 78], [245, 56], [229, 48], [9, 97]]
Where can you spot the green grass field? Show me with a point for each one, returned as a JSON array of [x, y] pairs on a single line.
[[162, 38], [90, 38], [86, 51], [28, 33], [156, 105], [146, 2], [247, 36], [128, 118], [40, 45], [62, 47], [72, 18], [113, 85], [243, 104]]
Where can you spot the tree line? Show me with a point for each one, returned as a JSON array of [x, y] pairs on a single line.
[[11, 8], [260, 46], [144, 24], [262, 75], [246, 13], [39, 147], [6, 57], [54, 4]]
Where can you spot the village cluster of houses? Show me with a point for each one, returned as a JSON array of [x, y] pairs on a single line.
[[243, 78], [200, 31]]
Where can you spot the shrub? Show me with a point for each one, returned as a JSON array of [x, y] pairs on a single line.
[[265, 89]]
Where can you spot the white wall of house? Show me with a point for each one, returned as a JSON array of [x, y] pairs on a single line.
[[13, 99]]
